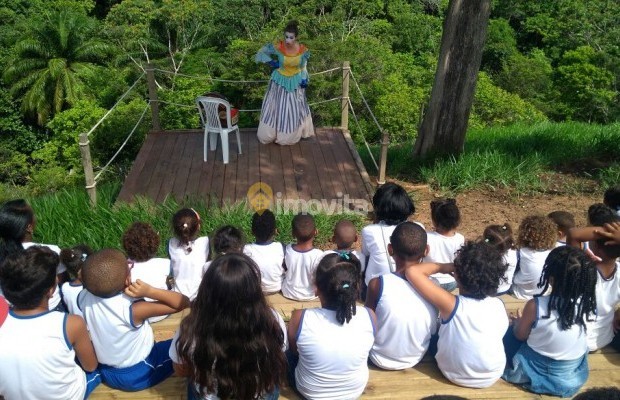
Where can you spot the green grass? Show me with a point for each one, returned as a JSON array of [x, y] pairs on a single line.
[[66, 218], [515, 157]]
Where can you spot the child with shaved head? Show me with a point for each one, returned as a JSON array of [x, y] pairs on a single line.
[[405, 319], [119, 327], [301, 260], [345, 237]]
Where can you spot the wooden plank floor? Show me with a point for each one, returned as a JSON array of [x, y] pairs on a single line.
[[171, 163], [423, 380]]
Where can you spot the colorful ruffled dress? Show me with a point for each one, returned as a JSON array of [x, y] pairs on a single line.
[[285, 115]]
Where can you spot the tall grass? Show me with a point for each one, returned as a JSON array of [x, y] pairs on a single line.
[[66, 218], [515, 157]]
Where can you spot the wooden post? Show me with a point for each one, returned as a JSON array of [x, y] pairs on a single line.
[[344, 116], [91, 185], [385, 141], [153, 101]]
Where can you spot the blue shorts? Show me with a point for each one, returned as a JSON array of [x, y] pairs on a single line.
[[155, 368], [93, 379]]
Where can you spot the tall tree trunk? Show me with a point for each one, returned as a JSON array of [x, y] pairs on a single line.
[[444, 124]]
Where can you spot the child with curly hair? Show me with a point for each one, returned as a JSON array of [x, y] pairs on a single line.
[[188, 252], [537, 237], [444, 240], [141, 242], [474, 321], [546, 348], [73, 258], [500, 237]]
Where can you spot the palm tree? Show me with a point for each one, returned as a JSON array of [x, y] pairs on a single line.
[[51, 61]]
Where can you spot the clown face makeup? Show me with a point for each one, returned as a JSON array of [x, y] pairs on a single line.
[[289, 38]]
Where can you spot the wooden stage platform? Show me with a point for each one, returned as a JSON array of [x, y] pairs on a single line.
[[170, 163]]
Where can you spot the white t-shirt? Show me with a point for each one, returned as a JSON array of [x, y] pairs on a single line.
[[299, 280], [55, 300], [510, 258], [37, 361], [333, 357], [187, 266], [548, 339], [600, 331], [117, 341], [525, 281], [174, 355], [375, 238], [405, 322], [442, 249], [269, 258], [470, 351], [69, 293], [154, 272]]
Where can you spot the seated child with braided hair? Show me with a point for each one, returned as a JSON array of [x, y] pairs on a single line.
[[118, 322], [470, 351], [329, 346], [73, 258], [546, 346]]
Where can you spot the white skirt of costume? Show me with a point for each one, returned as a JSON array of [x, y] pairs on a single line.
[[285, 116]]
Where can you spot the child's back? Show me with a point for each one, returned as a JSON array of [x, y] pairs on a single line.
[[444, 241], [186, 264], [187, 252], [298, 283], [537, 237], [266, 253]]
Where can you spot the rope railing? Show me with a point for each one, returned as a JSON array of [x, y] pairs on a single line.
[[122, 145], [365, 102], [359, 127], [245, 110], [209, 78], [115, 104]]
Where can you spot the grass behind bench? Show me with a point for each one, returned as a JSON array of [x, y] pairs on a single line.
[[65, 218]]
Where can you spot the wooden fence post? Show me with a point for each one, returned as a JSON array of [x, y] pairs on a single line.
[[385, 141], [153, 101], [344, 116], [91, 185]]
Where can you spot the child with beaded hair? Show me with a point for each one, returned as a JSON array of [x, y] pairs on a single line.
[[118, 322], [470, 351], [537, 237], [500, 237], [188, 252], [329, 346], [547, 349]]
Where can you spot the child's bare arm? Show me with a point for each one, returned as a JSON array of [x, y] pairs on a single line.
[[418, 276], [168, 302], [293, 327], [522, 323], [610, 231], [576, 236], [372, 294], [77, 334]]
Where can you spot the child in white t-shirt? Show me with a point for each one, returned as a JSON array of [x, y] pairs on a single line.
[[500, 237], [392, 205], [141, 243], [301, 260], [73, 258], [564, 221], [38, 347], [547, 350], [345, 237], [118, 322], [537, 237], [444, 241], [405, 319], [611, 198], [188, 252], [266, 253], [470, 351]]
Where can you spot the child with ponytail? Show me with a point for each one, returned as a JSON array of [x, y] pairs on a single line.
[[329, 346]]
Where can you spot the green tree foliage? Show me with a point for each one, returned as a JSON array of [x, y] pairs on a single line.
[[50, 61]]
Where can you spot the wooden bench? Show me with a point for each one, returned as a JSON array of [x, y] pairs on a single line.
[[423, 380]]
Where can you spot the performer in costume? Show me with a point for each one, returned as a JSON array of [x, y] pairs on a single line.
[[285, 115]]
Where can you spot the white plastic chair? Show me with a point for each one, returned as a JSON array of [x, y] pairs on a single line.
[[208, 108]]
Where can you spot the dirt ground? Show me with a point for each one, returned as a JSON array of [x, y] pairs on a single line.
[[481, 208]]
